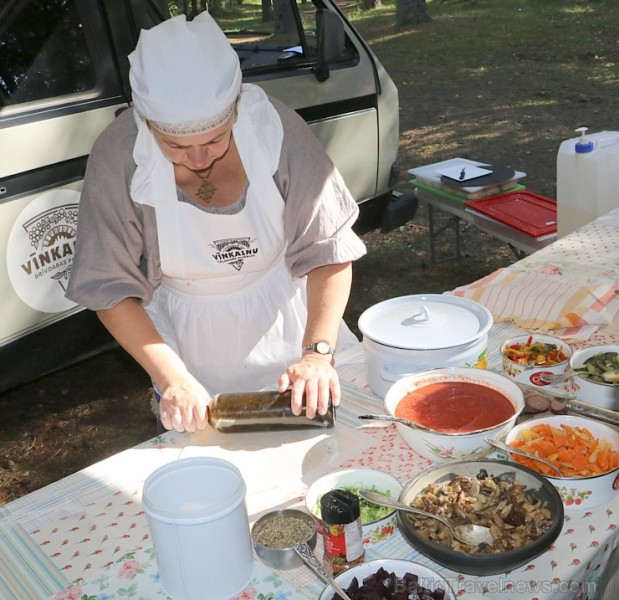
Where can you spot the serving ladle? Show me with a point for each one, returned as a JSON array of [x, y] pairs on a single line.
[[512, 450], [404, 422], [473, 535]]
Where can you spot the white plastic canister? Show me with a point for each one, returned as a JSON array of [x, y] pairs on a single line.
[[587, 179], [199, 526]]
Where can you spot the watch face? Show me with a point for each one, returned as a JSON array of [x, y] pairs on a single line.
[[323, 348]]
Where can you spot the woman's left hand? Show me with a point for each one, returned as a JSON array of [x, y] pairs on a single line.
[[314, 378]]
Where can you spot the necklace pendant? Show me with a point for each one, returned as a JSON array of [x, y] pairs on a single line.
[[206, 191]]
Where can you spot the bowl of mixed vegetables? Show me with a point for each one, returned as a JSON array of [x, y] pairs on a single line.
[[377, 522], [585, 450], [596, 375], [527, 358]]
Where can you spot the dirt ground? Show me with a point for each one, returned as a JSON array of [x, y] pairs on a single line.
[[62, 423]]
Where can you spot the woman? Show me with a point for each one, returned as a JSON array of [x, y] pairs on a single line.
[[214, 236]]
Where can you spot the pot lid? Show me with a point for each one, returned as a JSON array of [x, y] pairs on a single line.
[[425, 322]]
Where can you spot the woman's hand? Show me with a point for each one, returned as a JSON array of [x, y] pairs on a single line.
[[313, 378], [184, 403]]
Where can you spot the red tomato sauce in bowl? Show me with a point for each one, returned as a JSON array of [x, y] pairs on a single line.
[[455, 407]]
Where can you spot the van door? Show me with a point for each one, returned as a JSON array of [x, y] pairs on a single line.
[[59, 88]]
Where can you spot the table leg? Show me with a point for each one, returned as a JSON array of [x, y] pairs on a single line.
[[434, 232]]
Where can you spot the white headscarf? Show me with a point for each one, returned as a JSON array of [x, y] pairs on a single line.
[[185, 76], [186, 80]]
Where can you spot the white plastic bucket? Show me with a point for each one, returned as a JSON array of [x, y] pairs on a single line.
[[199, 526]]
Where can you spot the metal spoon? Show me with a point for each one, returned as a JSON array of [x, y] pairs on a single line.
[[508, 448], [473, 535], [404, 422], [561, 378], [309, 558]]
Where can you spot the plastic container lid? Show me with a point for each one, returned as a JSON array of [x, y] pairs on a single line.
[[583, 145], [425, 322], [339, 507], [193, 490]]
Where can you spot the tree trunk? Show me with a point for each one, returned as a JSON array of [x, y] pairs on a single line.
[[267, 11], [192, 8], [284, 19], [370, 4], [411, 12]]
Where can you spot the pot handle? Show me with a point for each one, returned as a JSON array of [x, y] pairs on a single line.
[[423, 316], [390, 376]]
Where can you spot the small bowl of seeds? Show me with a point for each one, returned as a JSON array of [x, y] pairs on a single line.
[[275, 534]]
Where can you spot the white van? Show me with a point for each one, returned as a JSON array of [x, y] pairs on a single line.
[[64, 78]]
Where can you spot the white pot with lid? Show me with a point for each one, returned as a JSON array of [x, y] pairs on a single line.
[[408, 334]]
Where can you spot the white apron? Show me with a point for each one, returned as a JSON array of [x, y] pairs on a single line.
[[227, 303]]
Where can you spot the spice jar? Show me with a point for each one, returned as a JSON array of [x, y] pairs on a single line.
[[262, 411], [342, 535]]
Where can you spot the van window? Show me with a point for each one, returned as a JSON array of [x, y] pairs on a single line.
[[274, 36], [43, 52]]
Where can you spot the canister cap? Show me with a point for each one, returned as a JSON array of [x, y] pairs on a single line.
[[583, 145], [339, 507]]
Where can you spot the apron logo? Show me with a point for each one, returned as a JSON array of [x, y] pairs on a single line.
[[234, 251]]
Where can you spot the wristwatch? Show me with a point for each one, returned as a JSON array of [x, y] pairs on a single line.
[[319, 347]]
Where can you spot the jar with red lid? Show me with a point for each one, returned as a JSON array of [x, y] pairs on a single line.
[[342, 534]]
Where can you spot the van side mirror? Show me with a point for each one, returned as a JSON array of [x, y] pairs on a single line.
[[331, 41]]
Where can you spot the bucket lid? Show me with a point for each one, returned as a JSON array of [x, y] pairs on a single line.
[[193, 490], [425, 322]]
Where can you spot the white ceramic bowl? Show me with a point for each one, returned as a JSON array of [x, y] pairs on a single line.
[[442, 447], [428, 578], [579, 493], [368, 479], [531, 375], [605, 395]]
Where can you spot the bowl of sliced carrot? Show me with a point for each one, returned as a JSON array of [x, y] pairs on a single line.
[[526, 358], [585, 450]]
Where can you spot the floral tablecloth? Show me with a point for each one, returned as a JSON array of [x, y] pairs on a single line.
[[89, 538]]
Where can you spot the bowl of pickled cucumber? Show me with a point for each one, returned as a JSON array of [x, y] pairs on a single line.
[[596, 375]]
